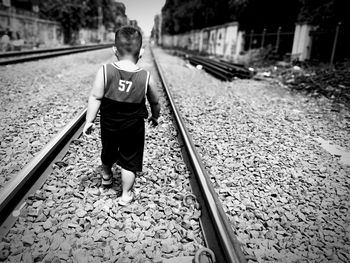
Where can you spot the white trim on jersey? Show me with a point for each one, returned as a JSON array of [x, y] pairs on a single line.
[[117, 67], [105, 75], [147, 82]]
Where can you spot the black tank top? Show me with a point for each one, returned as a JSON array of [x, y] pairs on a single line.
[[124, 96]]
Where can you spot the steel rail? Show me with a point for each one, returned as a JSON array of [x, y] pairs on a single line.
[[34, 174], [220, 68], [236, 70], [42, 50], [219, 237], [52, 54], [212, 69], [230, 69]]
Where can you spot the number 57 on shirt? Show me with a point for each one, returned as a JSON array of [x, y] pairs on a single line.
[[124, 84]]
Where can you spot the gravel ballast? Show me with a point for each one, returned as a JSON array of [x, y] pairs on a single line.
[[283, 186], [37, 100], [71, 219]]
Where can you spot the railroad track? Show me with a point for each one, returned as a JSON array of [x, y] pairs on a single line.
[[217, 233], [221, 69], [31, 55]]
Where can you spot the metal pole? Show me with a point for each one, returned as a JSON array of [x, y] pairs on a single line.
[[160, 29], [278, 39], [335, 42], [263, 38], [251, 39], [99, 24]]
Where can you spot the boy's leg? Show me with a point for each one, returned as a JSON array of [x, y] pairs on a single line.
[[107, 175], [107, 170], [128, 179]]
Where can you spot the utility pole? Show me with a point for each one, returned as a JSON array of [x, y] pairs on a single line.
[[335, 42], [160, 30], [100, 23], [278, 39]]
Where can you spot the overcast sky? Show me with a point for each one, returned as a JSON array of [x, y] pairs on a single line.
[[143, 11]]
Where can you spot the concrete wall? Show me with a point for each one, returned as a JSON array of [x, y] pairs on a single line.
[[228, 42], [87, 35], [302, 42], [34, 31], [219, 40]]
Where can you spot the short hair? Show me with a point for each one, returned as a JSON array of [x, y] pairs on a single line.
[[128, 40]]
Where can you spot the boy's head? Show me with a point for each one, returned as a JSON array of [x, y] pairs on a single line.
[[128, 41]]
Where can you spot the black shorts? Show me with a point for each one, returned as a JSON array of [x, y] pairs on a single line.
[[124, 146]]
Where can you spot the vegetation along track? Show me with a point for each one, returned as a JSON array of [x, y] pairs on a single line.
[[30, 55], [62, 213]]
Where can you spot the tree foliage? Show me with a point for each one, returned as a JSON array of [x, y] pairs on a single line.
[[325, 13], [181, 16], [77, 14]]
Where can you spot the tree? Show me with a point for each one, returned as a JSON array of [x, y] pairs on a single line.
[[70, 13], [77, 14], [180, 16], [325, 13]]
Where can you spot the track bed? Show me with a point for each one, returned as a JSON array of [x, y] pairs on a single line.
[[287, 197], [71, 218]]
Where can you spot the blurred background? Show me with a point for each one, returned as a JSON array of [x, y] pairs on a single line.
[[298, 29], [294, 29], [50, 23]]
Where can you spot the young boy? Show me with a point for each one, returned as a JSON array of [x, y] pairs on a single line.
[[119, 92]]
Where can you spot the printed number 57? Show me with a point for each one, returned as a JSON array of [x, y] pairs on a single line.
[[123, 84]]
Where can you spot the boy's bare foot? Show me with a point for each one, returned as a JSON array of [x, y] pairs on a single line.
[[126, 198]]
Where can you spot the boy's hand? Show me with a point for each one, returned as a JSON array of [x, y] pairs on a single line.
[[153, 121], [88, 128]]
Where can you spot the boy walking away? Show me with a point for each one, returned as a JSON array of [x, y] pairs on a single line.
[[120, 92]]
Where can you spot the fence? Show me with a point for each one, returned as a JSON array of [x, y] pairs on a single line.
[[330, 46], [305, 43], [223, 40], [279, 42]]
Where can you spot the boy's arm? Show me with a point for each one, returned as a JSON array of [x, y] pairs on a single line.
[[95, 97], [153, 99]]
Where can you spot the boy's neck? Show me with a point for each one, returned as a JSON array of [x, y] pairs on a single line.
[[127, 64], [128, 58]]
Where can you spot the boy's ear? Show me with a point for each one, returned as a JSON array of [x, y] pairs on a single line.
[[115, 50], [141, 52]]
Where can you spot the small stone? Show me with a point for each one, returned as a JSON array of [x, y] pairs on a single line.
[[27, 258], [81, 213], [47, 224], [323, 169], [65, 246], [254, 234], [28, 240], [289, 216], [37, 204], [104, 233], [95, 191], [50, 203], [131, 237], [51, 188], [107, 252], [119, 225], [157, 215], [4, 253], [56, 260], [89, 207], [114, 245], [329, 253], [145, 224], [81, 258], [270, 234]]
